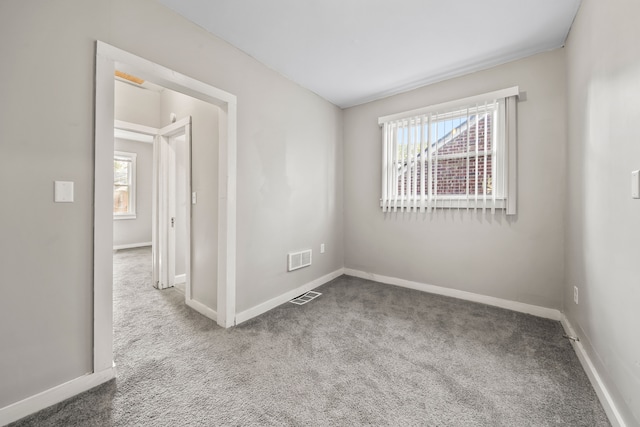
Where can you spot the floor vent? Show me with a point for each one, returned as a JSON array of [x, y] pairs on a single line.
[[305, 298], [299, 259]]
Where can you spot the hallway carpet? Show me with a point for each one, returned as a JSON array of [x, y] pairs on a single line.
[[363, 353]]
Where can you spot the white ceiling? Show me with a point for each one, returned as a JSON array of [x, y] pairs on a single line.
[[354, 51]]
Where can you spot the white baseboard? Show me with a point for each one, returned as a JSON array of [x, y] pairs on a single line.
[[131, 246], [54, 395], [287, 296], [596, 381], [548, 313], [202, 309], [180, 278]]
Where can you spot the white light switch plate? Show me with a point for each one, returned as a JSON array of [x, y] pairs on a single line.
[[635, 184], [194, 198], [63, 192]]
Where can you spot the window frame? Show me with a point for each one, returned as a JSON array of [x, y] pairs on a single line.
[[502, 153], [132, 158]]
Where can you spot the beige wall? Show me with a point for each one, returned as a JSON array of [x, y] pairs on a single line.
[[289, 172], [519, 259], [136, 105], [603, 221]]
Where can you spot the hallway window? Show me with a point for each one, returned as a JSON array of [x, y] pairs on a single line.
[[124, 185]]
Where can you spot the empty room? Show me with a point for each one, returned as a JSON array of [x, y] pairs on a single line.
[[400, 213]]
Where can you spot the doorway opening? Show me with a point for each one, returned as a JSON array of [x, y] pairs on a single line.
[[152, 190], [108, 59]]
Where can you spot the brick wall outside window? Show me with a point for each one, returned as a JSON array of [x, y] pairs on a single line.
[[451, 174]]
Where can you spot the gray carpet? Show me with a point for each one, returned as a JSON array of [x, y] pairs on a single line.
[[363, 353]]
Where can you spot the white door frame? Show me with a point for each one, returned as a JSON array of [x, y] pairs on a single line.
[[107, 59], [163, 205]]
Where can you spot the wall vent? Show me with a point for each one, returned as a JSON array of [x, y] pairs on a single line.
[[299, 259]]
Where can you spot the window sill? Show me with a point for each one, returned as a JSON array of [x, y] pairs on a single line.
[[124, 216]]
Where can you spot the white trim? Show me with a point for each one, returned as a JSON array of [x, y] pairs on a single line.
[[54, 395], [202, 309], [131, 246], [103, 211], [503, 93], [227, 217], [596, 381], [287, 296], [547, 313], [120, 217], [175, 128], [180, 278], [135, 128], [132, 136], [187, 214]]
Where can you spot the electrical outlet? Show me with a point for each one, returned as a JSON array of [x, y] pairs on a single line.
[[575, 294], [321, 248]]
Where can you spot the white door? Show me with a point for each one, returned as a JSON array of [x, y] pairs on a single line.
[[176, 136]]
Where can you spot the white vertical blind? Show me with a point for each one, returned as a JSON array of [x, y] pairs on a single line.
[[468, 159], [435, 168], [510, 154], [394, 171], [392, 162], [429, 165], [402, 163], [452, 155], [485, 157], [475, 181], [494, 166], [385, 165], [423, 172]]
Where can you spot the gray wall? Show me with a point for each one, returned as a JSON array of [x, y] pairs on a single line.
[[289, 172], [519, 259], [136, 105], [204, 181], [603, 221], [138, 230]]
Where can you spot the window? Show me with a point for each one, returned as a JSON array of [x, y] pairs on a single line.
[[460, 154], [124, 185]]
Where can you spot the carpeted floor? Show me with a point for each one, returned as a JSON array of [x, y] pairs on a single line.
[[363, 353]]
